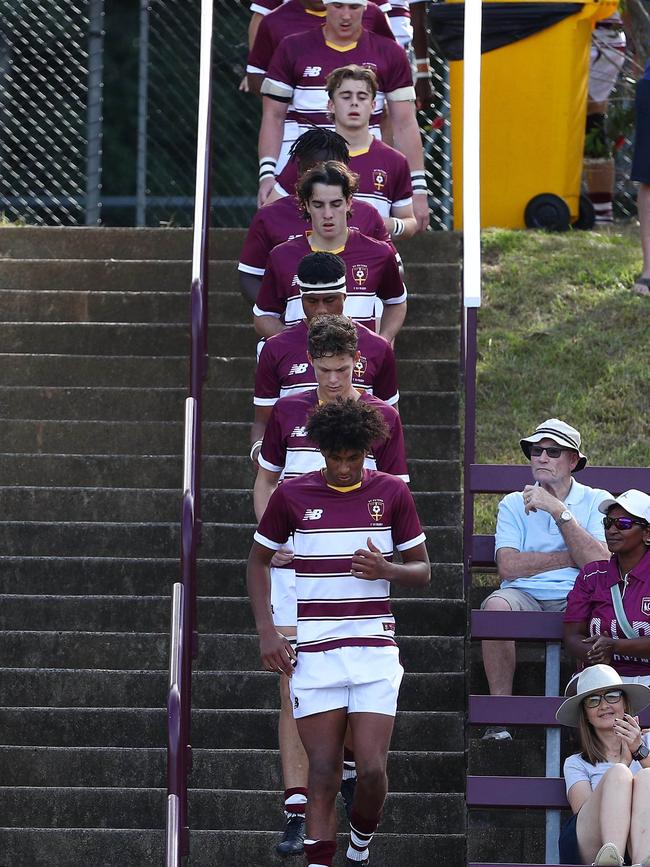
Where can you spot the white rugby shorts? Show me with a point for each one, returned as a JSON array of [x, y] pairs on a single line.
[[362, 679], [284, 603]]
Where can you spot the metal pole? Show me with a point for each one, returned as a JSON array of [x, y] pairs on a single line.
[[552, 687], [94, 111], [143, 97]]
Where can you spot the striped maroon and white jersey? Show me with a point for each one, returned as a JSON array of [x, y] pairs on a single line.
[[266, 6], [301, 64], [283, 368], [372, 272], [328, 526], [384, 177], [281, 221], [292, 17], [399, 18], [287, 449]]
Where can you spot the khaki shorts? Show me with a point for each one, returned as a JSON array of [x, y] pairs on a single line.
[[519, 600]]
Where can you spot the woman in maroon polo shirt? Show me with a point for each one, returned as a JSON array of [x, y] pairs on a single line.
[[607, 618]]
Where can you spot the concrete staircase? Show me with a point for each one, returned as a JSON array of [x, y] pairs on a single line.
[[93, 347]]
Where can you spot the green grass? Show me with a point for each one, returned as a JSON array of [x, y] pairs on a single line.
[[561, 335]]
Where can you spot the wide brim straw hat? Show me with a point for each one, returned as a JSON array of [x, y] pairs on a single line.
[[593, 679], [561, 433]]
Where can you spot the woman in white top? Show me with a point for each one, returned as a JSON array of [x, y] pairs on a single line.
[[608, 781]]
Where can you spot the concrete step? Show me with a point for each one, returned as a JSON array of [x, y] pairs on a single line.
[[233, 769], [171, 372], [225, 729], [53, 687], [170, 275], [146, 848], [127, 338], [150, 651], [60, 436], [82, 242], [209, 809], [138, 505], [74, 576], [166, 471], [167, 404], [216, 614], [88, 305]]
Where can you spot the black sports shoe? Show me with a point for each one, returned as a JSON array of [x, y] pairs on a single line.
[[347, 793], [293, 839], [349, 861]]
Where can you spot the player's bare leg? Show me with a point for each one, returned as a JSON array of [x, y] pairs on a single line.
[[322, 735], [371, 734], [294, 769]]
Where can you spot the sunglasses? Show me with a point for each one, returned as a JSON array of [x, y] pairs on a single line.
[[622, 523], [551, 451], [610, 697]]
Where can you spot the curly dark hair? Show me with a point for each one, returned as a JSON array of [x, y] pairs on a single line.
[[316, 145], [329, 173], [346, 424], [330, 334], [321, 267]]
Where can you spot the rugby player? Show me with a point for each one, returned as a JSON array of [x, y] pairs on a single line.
[[346, 522], [325, 193]]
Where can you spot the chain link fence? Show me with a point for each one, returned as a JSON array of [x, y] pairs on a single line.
[[51, 64], [50, 111]]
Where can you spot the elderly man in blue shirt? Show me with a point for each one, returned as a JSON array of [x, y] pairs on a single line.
[[544, 535]]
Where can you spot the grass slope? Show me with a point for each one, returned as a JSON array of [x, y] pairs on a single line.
[[561, 335]]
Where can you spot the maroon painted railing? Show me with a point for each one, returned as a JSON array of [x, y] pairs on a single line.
[[184, 633]]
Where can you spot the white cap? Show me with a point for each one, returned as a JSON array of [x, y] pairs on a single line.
[[560, 432], [635, 502], [349, 2], [593, 679]]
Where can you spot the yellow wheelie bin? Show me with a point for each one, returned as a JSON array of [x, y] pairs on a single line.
[[533, 112]]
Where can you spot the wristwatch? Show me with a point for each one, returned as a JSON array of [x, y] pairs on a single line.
[[564, 518], [642, 753]]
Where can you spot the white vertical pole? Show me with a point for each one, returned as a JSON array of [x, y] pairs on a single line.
[[472, 154]]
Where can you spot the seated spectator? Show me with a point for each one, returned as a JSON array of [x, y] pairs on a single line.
[[607, 618], [283, 366], [544, 535], [284, 219], [325, 194], [608, 781]]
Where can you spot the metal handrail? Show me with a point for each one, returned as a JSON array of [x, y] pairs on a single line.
[[184, 640]]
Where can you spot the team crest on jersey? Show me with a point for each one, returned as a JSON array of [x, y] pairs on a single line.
[[360, 274], [297, 369], [645, 605], [360, 366], [376, 510], [379, 177], [367, 64]]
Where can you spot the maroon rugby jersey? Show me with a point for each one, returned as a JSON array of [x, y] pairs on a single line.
[[384, 177], [336, 609], [301, 64], [283, 368], [281, 221], [286, 447], [372, 272], [292, 17]]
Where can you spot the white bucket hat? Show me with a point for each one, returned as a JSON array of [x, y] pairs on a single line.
[[560, 432], [593, 679], [635, 502]]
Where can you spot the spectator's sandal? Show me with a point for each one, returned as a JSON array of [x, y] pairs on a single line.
[[642, 286], [608, 855]]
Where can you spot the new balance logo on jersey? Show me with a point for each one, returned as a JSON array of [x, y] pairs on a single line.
[[312, 71], [313, 515], [299, 432], [297, 368]]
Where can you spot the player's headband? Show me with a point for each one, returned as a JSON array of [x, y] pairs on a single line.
[[349, 2], [322, 288]]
